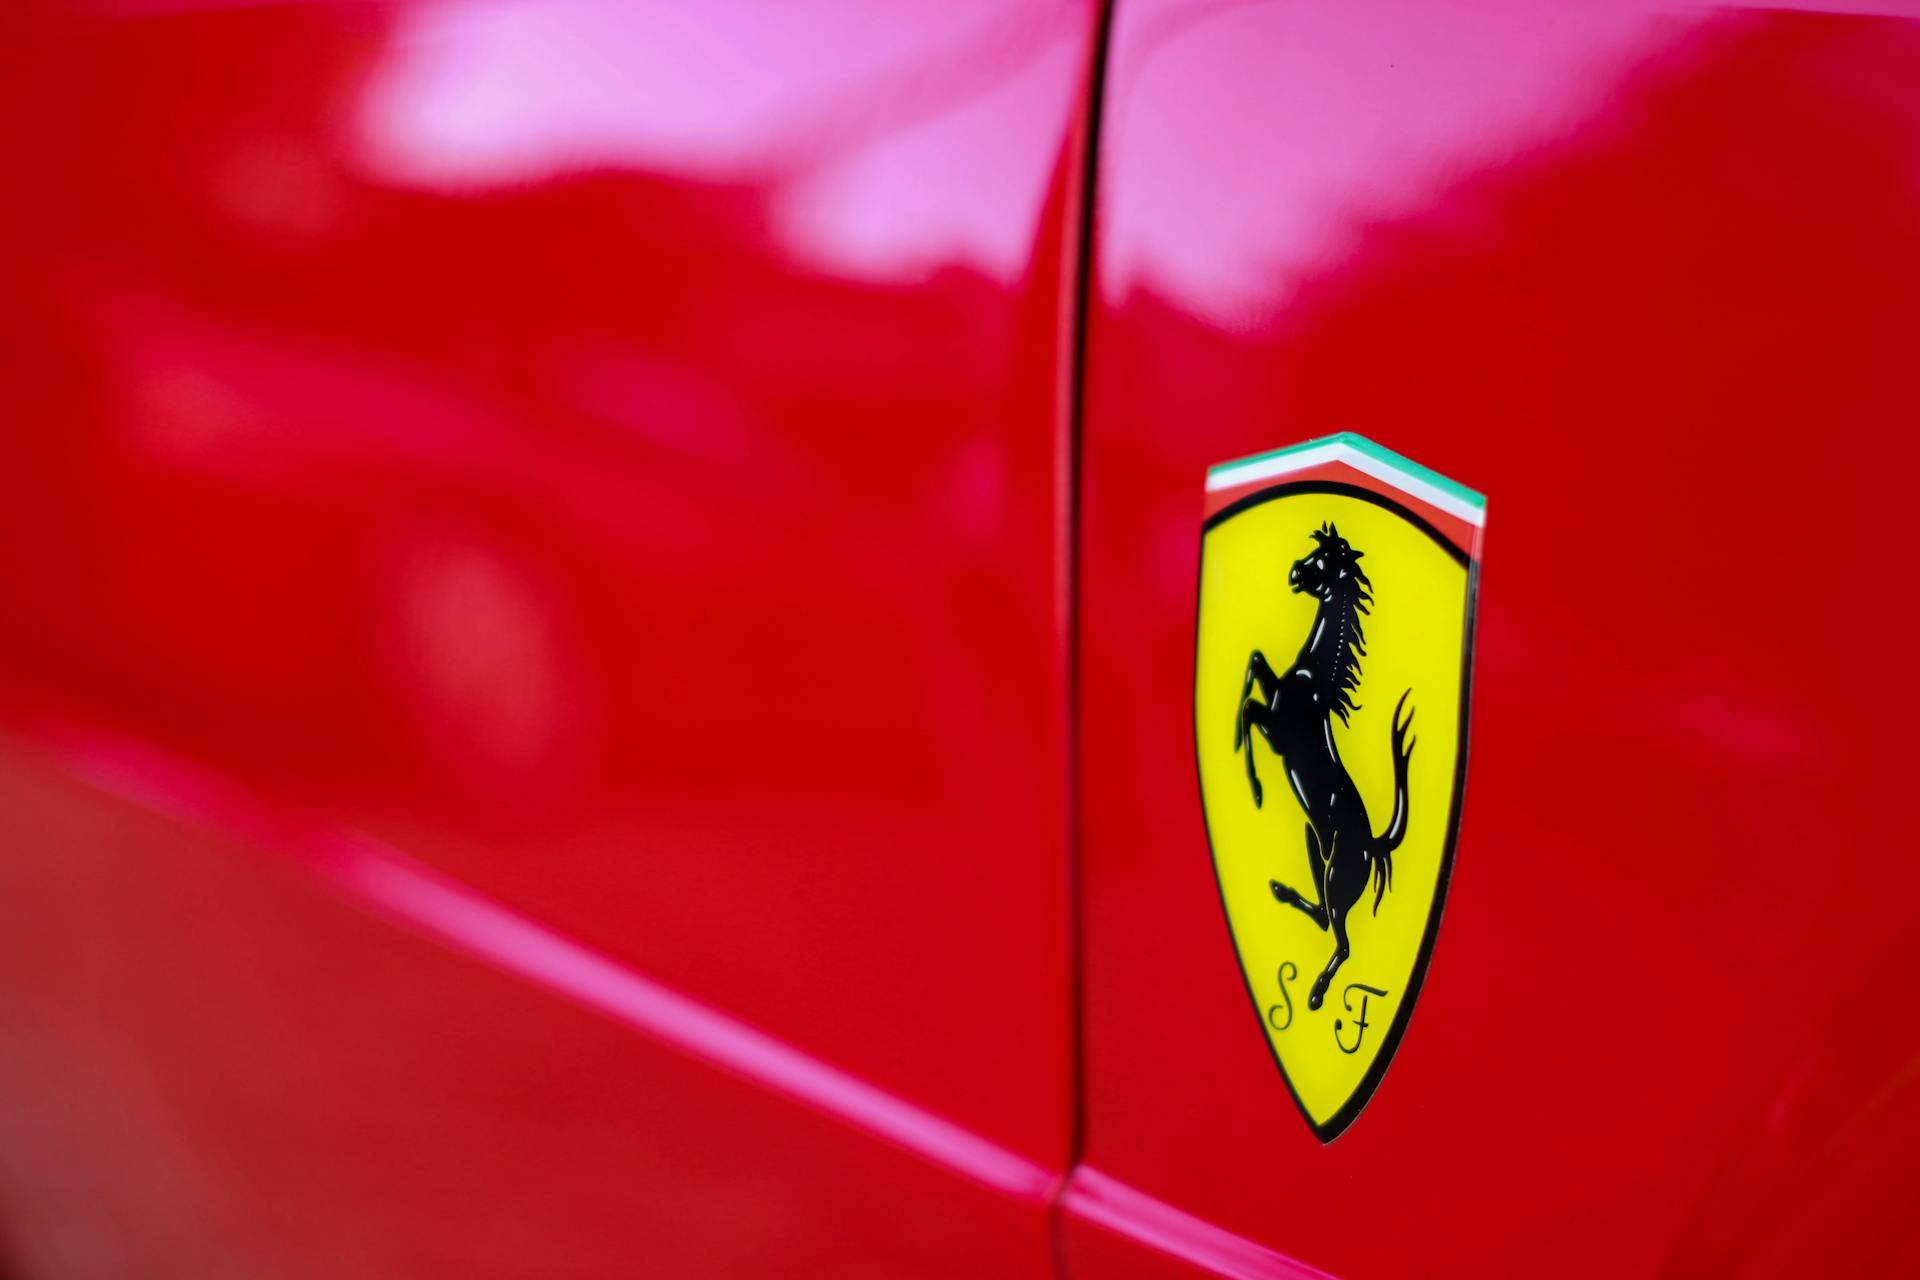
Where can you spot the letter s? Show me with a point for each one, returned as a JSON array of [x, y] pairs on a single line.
[[1287, 974]]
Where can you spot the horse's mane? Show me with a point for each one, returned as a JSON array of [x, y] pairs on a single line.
[[1351, 644]]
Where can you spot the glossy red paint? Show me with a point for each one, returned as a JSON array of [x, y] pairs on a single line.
[[581, 482], [537, 552], [1646, 275], [214, 1067]]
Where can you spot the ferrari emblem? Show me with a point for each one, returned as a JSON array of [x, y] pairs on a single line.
[[1331, 677]]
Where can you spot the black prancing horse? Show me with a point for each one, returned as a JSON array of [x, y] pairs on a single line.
[[1295, 714]]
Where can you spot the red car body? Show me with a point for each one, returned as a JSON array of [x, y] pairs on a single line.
[[597, 619]]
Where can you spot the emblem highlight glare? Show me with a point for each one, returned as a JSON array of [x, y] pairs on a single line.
[[1346, 751]]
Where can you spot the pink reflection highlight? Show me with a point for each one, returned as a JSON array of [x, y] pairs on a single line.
[[1110, 1203], [887, 142], [391, 884], [1286, 142]]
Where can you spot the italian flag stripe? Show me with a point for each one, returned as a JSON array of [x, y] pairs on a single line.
[[1362, 455]]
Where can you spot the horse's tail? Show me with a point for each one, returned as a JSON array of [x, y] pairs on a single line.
[[1389, 840], [1402, 752]]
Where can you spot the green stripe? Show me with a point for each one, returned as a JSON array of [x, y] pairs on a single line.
[[1378, 453]]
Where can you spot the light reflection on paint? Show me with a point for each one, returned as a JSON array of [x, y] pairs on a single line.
[[870, 150], [386, 881], [1230, 175], [483, 653]]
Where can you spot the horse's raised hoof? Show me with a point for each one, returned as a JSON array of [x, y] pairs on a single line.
[[1258, 794]]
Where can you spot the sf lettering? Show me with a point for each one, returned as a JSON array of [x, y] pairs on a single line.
[[1354, 998]]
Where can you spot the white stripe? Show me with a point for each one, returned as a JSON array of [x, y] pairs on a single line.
[[1334, 451]]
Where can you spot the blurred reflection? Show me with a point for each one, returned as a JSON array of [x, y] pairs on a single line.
[[484, 659], [605, 450], [884, 130], [1234, 186]]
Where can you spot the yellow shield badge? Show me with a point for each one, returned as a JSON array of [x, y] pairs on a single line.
[[1331, 677]]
